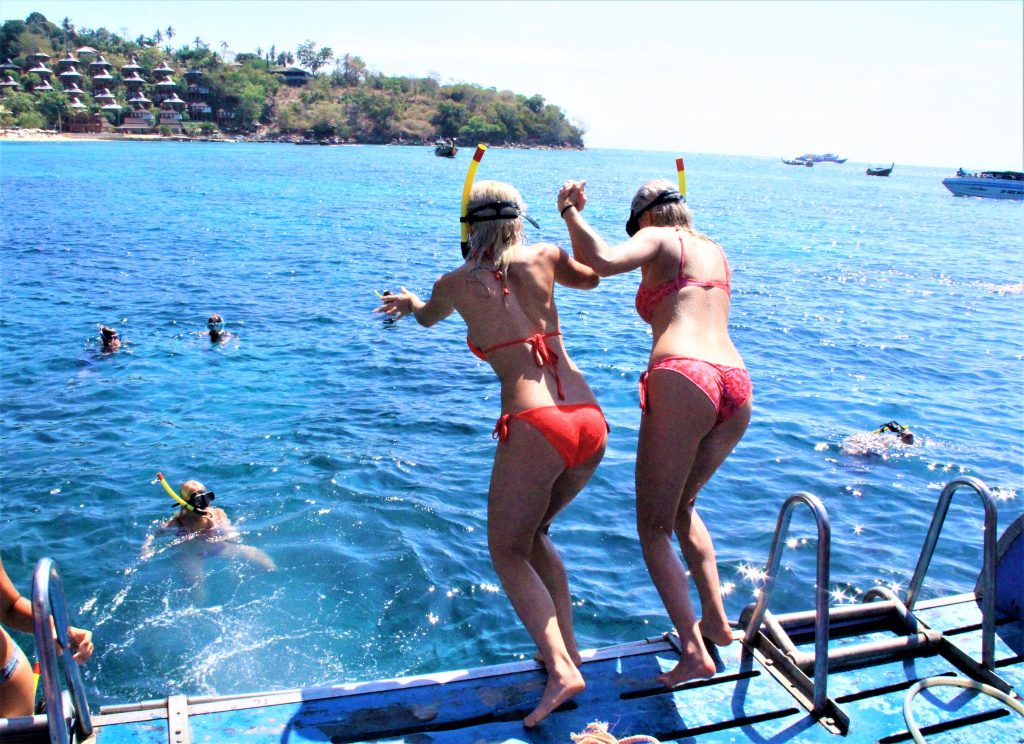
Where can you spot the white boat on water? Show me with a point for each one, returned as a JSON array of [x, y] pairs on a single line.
[[990, 184]]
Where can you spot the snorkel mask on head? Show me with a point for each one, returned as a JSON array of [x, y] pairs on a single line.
[[504, 210], [197, 502], [670, 196]]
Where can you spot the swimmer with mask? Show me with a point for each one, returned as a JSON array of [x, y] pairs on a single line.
[[196, 519]]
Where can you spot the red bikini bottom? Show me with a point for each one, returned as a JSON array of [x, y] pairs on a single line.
[[576, 431], [727, 388]]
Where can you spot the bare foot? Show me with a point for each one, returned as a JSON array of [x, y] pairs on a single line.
[[720, 635], [687, 669], [560, 687]]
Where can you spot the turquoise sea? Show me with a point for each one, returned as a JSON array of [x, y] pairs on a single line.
[[356, 452]]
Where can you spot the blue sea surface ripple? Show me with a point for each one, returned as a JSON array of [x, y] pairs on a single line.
[[356, 452]]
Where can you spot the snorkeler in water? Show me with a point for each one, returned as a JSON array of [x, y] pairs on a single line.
[[215, 329], [890, 436], [905, 434], [111, 339], [197, 520]]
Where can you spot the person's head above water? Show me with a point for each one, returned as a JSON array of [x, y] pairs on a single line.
[[195, 494], [662, 202], [111, 340], [215, 325], [904, 433], [495, 217]]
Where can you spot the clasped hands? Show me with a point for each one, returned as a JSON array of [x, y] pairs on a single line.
[[572, 194]]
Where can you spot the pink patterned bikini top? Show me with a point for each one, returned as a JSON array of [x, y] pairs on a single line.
[[647, 299]]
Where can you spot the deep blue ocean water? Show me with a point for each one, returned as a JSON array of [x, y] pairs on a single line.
[[356, 452]]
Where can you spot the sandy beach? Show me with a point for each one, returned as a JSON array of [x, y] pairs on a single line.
[[49, 135]]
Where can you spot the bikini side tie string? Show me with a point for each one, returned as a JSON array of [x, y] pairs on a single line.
[[501, 428]]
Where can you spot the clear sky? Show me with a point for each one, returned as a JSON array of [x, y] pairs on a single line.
[[928, 83]]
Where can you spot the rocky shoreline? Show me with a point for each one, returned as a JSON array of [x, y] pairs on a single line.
[[15, 134]]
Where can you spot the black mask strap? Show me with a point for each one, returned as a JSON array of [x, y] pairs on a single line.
[[502, 211], [665, 197]]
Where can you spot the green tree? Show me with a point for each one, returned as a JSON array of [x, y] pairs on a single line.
[[312, 58], [52, 106], [10, 39], [350, 70], [450, 117], [251, 101], [478, 129], [30, 120]]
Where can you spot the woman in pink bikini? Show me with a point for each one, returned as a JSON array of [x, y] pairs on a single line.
[[551, 433], [696, 398]]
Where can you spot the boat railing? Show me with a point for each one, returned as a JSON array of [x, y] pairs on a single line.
[[988, 568], [51, 626], [773, 646], [770, 638]]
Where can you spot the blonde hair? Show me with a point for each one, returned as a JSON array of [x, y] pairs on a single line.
[[190, 487], [673, 214], [494, 240]]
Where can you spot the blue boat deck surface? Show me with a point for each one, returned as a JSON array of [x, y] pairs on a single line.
[[742, 702]]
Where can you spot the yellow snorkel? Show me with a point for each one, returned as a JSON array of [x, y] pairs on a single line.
[[466, 188], [173, 495], [681, 172]]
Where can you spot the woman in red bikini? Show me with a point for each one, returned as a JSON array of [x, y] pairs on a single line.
[[551, 433], [695, 395]]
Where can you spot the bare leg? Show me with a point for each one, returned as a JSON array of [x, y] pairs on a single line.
[[253, 555], [545, 559], [694, 538], [16, 693], [525, 471], [670, 433]]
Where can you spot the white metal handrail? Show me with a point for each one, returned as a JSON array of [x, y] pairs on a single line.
[[988, 568], [821, 620], [50, 618]]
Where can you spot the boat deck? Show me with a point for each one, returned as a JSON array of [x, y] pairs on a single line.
[[742, 702]]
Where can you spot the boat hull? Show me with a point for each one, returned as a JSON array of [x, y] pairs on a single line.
[[989, 188]]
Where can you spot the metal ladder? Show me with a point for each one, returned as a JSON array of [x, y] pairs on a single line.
[[48, 602], [773, 643], [772, 646]]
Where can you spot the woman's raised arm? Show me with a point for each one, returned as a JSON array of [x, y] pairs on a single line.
[[590, 248]]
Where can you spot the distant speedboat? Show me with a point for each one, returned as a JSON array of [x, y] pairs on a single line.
[[828, 157], [808, 163], [989, 184], [879, 171]]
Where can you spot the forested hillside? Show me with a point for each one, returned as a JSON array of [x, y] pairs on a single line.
[[269, 92]]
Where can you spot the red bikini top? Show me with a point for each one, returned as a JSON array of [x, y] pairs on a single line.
[[647, 299], [542, 353]]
